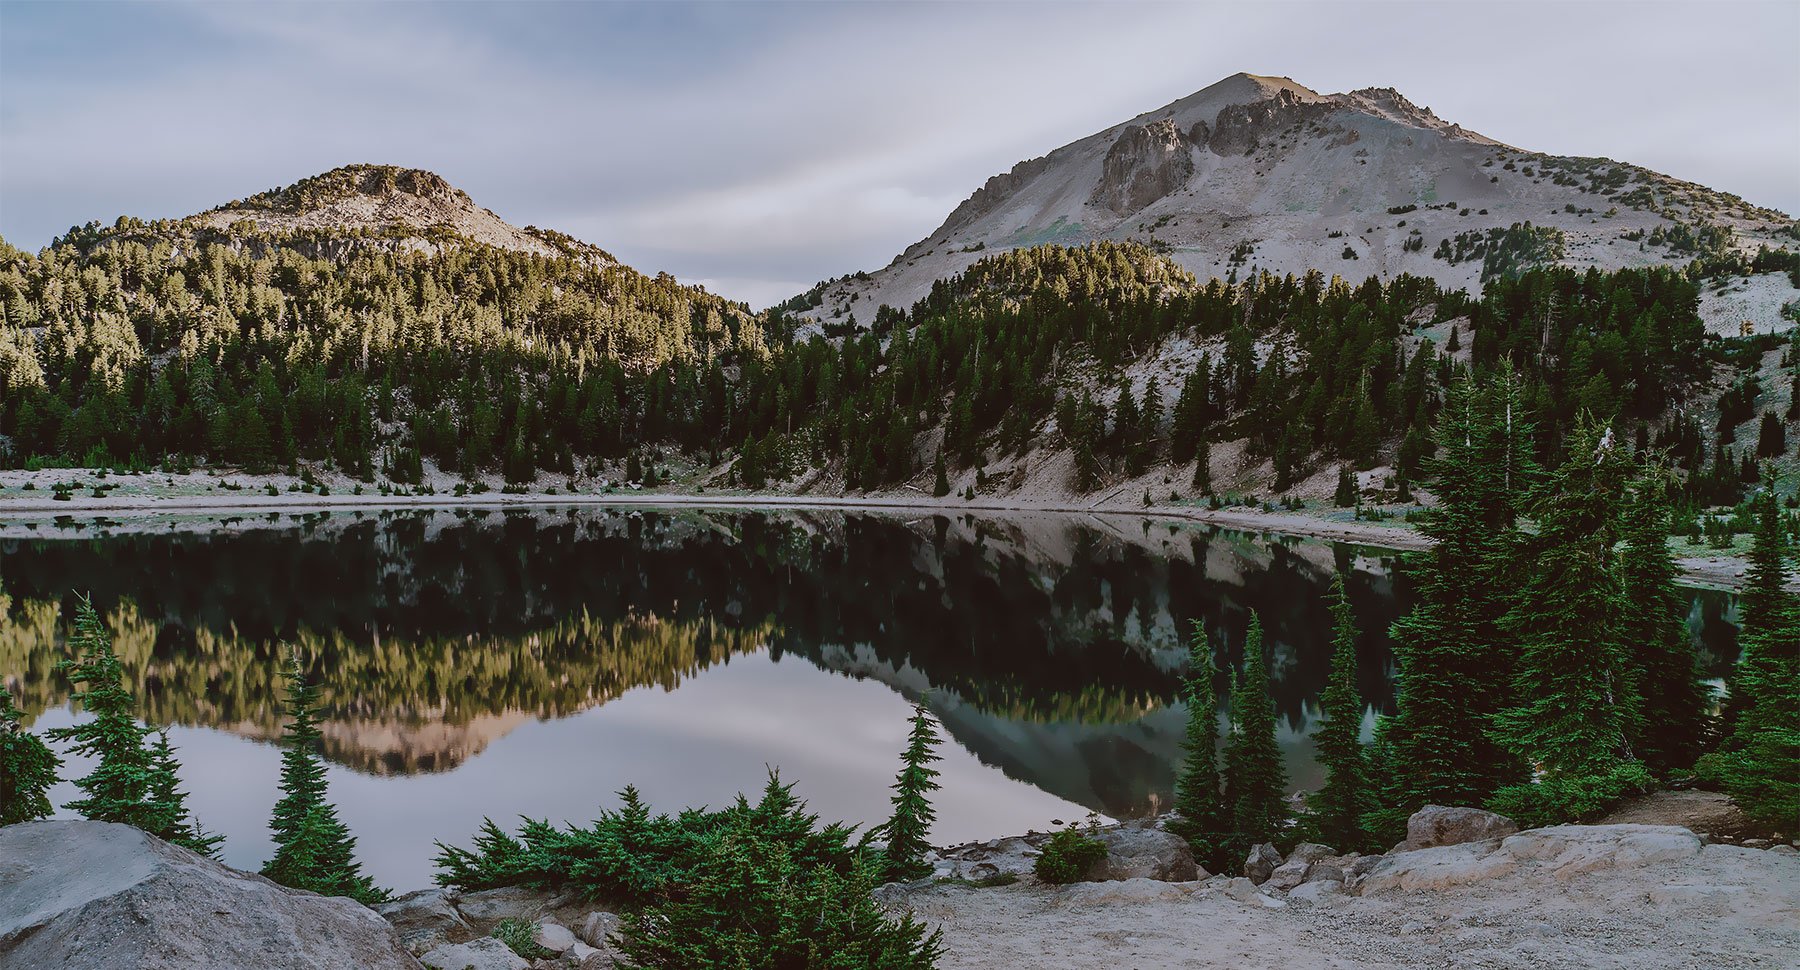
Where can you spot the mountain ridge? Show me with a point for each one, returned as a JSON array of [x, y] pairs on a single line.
[[1264, 172]]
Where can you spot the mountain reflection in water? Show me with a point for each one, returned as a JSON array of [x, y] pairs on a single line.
[[455, 649]]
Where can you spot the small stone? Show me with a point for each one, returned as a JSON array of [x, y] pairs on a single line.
[[1784, 850], [554, 937], [1241, 889], [1289, 874]]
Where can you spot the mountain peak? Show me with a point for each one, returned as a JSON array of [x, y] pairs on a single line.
[[409, 208]]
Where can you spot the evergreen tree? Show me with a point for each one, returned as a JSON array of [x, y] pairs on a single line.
[[178, 825], [1575, 707], [911, 821], [119, 787], [1452, 659], [941, 484], [313, 849], [1203, 468], [1255, 777], [1759, 761], [1204, 821], [27, 767], [1346, 796], [1674, 724], [1346, 488]]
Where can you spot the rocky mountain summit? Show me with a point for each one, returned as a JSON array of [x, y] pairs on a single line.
[[362, 207], [1264, 173]]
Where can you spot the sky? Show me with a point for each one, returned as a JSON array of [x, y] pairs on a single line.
[[757, 148]]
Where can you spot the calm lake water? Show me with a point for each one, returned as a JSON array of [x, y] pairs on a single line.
[[532, 662]]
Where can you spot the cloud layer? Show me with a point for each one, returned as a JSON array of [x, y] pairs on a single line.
[[758, 148]]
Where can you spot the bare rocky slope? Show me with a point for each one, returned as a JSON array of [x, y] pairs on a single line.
[[364, 206], [1262, 172]]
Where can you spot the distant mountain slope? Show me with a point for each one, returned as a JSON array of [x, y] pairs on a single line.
[[362, 206], [1263, 172]]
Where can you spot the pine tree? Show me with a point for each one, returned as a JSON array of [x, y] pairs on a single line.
[[1346, 796], [176, 824], [1575, 708], [119, 787], [1346, 488], [1203, 821], [941, 485], [1759, 761], [1674, 723], [313, 849], [27, 767], [1255, 777], [1203, 468], [911, 821], [1451, 654]]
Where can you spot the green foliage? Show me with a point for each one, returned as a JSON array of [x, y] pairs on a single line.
[[911, 821], [753, 903], [1673, 728], [629, 856], [1574, 706], [1203, 820], [1339, 806], [1067, 856], [313, 849], [1449, 649], [27, 767], [131, 783], [520, 936], [1255, 778], [1758, 763], [1573, 797]]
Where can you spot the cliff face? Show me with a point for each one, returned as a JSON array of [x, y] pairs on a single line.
[[1261, 172]]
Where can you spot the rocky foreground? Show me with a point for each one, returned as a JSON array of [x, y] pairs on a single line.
[[1465, 890]]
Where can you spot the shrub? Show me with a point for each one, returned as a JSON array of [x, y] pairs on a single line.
[[520, 937], [1068, 856], [1554, 801]]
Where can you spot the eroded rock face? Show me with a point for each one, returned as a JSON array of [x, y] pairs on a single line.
[[1436, 825], [109, 897], [1240, 128], [1147, 163]]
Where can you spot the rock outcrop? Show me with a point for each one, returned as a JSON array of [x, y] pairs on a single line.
[[1436, 825], [102, 896], [1147, 163], [1561, 853]]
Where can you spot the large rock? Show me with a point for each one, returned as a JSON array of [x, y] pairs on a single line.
[[1436, 825], [490, 906], [977, 861], [1261, 863], [1134, 852], [1560, 853], [102, 896], [1289, 874], [426, 919], [483, 953]]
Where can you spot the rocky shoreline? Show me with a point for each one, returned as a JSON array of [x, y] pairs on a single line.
[[1466, 889]]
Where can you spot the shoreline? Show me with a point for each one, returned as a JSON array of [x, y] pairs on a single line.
[[1720, 572]]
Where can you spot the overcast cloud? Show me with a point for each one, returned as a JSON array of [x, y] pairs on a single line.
[[757, 148]]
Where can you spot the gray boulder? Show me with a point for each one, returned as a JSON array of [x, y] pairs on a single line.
[[1289, 874], [1261, 863], [426, 919], [109, 897], [482, 953], [1436, 825], [1144, 853], [508, 902]]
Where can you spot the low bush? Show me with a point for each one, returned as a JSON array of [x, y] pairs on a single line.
[[1068, 856], [1554, 801]]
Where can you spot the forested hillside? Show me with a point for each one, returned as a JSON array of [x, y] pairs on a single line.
[[1075, 369]]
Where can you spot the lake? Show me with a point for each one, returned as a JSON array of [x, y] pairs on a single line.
[[498, 663]]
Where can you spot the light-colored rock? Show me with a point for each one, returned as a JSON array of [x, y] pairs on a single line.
[[1241, 888], [481, 953], [986, 860], [426, 919], [1261, 863], [101, 896], [1440, 867], [1784, 850], [1144, 853], [1289, 874], [598, 927], [1328, 870], [1311, 852], [554, 937], [1317, 893], [1436, 825], [1574, 849], [493, 905]]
